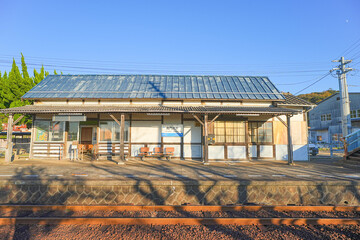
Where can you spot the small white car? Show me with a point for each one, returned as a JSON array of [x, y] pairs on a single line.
[[313, 149]]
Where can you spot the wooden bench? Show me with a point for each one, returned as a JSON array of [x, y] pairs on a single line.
[[167, 153], [157, 152], [144, 152]]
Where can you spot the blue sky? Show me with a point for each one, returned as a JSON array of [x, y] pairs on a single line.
[[292, 42]]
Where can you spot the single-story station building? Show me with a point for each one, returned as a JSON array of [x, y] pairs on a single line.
[[209, 118]]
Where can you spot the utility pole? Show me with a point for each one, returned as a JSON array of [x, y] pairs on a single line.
[[341, 71]]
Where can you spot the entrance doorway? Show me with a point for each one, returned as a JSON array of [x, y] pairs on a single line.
[[86, 135]]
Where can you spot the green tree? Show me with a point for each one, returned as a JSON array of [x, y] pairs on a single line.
[[15, 84], [39, 76], [24, 71], [316, 97]]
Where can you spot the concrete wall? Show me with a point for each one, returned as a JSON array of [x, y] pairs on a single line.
[[81, 192]]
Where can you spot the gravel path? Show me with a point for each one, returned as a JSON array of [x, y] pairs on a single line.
[[24, 232]]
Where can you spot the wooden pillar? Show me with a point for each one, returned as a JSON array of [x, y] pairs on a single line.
[[32, 137], [290, 147], [247, 140], [122, 133], [182, 139], [206, 147], [9, 145]]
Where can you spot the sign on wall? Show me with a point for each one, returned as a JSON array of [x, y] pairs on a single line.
[[70, 118], [172, 130]]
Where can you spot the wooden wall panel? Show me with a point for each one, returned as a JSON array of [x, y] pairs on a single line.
[[280, 133]]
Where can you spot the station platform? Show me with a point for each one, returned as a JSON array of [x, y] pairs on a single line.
[[157, 182]]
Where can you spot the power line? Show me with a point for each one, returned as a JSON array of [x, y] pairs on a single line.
[[159, 63], [159, 70], [327, 74], [346, 50], [296, 83]]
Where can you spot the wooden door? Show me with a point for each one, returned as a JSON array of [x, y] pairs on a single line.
[[86, 135]]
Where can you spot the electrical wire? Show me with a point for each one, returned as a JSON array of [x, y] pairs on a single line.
[[159, 70], [318, 80], [87, 61], [351, 47]]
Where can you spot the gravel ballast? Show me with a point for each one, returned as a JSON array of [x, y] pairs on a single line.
[[177, 232]]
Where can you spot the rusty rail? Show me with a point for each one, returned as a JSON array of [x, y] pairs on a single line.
[[9, 220], [181, 221], [210, 208]]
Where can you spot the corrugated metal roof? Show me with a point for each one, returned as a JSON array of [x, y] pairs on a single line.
[[30, 109], [155, 87]]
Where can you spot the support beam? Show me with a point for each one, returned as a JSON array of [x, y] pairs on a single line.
[[113, 117], [122, 132], [283, 122], [198, 119], [213, 120], [9, 145], [290, 147], [18, 120], [206, 147]]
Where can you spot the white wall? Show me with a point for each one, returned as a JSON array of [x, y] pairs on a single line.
[[300, 152], [266, 151], [216, 152], [192, 151], [253, 151], [236, 152], [192, 134], [146, 131]]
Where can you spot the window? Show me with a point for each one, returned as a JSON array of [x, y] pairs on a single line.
[[72, 128], [260, 132], [229, 131], [57, 131], [353, 114], [42, 130], [110, 131], [326, 117], [358, 113], [319, 138], [49, 131]]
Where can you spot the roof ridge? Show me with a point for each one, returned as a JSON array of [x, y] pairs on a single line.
[[172, 75]]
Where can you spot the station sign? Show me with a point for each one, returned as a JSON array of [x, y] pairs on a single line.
[[172, 130], [69, 118]]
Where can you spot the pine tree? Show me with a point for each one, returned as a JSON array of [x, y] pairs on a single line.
[[6, 92], [24, 71], [38, 77], [17, 84]]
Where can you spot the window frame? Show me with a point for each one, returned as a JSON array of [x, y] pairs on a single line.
[[50, 134], [261, 126], [230, 130], [328, 117], [67, 129], [114, 128]]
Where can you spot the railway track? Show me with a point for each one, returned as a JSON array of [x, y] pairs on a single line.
[[49, 215]]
